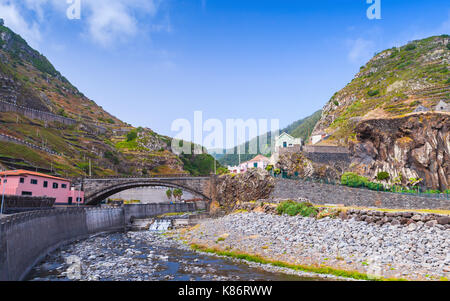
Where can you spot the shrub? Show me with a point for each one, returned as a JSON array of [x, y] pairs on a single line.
[[372, 93], [131, 136], [336, 103], [293, 208], [383, 175], [277, 171], [410, 47], [353, 180]]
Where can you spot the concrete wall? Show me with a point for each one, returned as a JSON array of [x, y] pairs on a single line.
[[334, 194], [26, 238]]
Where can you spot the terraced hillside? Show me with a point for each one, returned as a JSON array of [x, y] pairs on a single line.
[[33, 92]]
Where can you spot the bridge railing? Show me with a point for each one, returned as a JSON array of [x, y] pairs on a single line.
[[142, 177]]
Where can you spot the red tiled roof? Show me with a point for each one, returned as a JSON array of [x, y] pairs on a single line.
[[259, 158], [22, 172]]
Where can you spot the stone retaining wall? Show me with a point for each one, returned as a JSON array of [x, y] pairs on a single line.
[[336, 194], [35, 114], [411, 219], [8, 138]]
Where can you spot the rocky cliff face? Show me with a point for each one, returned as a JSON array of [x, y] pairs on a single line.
[[414, 146], [296, 164], [253, 185]]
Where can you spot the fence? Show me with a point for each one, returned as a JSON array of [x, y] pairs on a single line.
[[421, 192]]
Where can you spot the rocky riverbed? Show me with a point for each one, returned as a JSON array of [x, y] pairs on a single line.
[[145, 255], [390, 251]]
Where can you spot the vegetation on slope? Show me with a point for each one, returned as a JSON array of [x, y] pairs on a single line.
[[395, 82], [299, 129]]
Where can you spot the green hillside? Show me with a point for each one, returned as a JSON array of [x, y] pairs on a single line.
[[299, 129]]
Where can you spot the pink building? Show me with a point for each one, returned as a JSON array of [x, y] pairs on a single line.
[[28, 183]]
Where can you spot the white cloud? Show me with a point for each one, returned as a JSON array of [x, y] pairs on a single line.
[[112, 20], [104, 21], [17, 22], [361, 50]]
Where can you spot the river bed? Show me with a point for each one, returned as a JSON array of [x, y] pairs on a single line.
[[147, 256]]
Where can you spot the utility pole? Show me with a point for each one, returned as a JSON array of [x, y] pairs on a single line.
[[90, 170], [3, 194]]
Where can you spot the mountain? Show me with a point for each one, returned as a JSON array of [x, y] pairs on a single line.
[[393, 83], [88, 140], [299, 129]]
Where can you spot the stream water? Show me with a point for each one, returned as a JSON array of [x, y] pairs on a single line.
[[141, 256]]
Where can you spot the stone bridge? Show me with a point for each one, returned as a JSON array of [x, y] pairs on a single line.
[[99, 189]]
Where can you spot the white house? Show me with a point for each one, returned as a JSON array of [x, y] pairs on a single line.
[[258, 162], [286, 141], [317, 138], [442, 107]]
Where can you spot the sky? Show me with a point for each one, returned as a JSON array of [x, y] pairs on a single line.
[[149, 62]]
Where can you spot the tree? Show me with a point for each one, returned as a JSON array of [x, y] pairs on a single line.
[[177, 194], [169, 194]]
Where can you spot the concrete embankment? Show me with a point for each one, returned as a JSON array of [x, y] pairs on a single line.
[[25, 238], [340, 247]]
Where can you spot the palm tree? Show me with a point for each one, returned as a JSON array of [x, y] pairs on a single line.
[[169, 194]]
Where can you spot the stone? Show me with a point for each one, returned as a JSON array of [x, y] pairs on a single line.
[[431, 223], [444, 220], [416, 217]]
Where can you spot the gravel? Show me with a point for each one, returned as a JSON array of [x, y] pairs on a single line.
[[416, 252]]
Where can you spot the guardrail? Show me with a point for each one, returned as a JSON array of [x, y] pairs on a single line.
[[145, 177]]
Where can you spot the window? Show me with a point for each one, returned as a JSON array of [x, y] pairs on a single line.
[[64, 186], [284, 144], [22, 180], [255, 165], [55, 185], [34, 181], [27, 193], [45, 184], [70, 200]]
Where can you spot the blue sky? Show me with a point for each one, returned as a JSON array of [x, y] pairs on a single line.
[[149, 62]]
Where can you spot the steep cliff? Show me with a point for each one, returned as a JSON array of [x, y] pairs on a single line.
[[413, 146], [395, 82]]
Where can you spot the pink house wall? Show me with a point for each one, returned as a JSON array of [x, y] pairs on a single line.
[[14, 187]]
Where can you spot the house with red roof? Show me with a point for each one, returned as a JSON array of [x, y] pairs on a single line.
[[257, 162], [29, 183]]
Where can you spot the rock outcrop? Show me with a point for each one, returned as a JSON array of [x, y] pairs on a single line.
[[253, 185], [296, 164], [414, 146]]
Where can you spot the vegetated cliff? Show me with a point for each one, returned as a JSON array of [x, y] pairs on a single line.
[[413, 146], [394, 82], [256, 184], [111, 146]]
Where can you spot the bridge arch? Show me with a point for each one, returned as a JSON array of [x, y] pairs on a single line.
[[105, 191]]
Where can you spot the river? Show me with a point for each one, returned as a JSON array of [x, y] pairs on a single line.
[[146, 256]]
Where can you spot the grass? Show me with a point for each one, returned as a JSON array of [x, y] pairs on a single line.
[[436, 211], [304, 268]]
